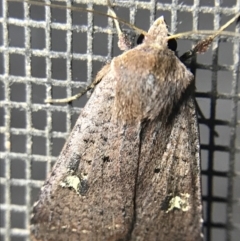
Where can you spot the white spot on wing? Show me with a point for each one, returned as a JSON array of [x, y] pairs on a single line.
[[72, 182], [180, 202]]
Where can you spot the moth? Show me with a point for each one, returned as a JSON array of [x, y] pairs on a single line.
[[130, 169]]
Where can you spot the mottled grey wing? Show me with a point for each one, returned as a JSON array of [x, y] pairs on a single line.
[[168, 202], [89, 194]]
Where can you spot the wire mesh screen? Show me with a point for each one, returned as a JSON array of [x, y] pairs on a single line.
[[49, 52]]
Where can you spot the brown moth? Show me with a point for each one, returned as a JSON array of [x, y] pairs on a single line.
[[130, 169]]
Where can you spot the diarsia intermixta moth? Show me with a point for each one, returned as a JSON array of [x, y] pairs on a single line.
[[130, 169]]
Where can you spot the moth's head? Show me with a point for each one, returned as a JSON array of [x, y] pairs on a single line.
[[158, 33]]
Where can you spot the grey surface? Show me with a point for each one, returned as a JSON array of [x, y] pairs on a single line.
[[38, 131]]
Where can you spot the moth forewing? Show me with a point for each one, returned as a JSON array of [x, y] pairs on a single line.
[[137, 178]]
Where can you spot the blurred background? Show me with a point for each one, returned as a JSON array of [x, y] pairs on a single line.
[[48, 52]]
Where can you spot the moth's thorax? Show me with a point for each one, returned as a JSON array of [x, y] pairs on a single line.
[[150, 80], [141, 59]]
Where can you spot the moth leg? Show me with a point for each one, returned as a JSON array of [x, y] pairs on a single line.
[[98, 78], [124, 43], [200, 47], [199, 112], [124, 40], [69, 99]]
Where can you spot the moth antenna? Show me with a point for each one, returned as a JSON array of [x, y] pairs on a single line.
[[124, 43], [112, 12], [203, 45], [201, 32], [232, 20], [213, 34], [79, 9]]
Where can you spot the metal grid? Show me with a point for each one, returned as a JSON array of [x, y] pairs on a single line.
[[37, 63]]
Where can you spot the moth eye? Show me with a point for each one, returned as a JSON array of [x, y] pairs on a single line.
[[172, 44], [140, 39]]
